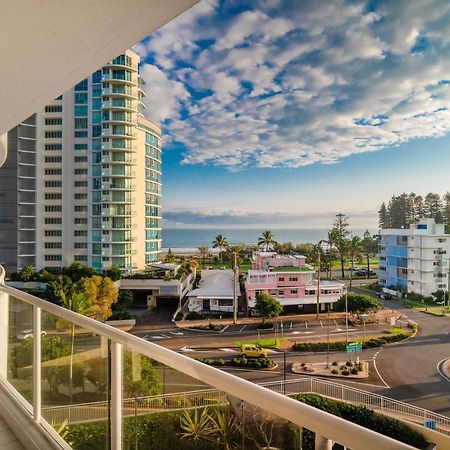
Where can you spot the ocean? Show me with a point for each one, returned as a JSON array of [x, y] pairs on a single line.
[[195, 237]]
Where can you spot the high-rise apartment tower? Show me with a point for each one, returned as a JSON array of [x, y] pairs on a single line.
[[82, 181]]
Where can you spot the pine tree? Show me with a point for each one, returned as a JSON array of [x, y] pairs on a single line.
[[383, 218]]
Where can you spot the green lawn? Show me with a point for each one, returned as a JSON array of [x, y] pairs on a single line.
[[266, 343], [396, 330]]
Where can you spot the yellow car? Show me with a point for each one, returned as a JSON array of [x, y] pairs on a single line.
[[253, 351]]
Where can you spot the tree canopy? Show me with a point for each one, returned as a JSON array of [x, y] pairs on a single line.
[[357, 304], [267, 306]]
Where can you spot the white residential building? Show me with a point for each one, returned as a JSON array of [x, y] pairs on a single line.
[[416, 259]]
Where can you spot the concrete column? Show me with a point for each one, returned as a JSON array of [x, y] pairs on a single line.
[[4, 324]]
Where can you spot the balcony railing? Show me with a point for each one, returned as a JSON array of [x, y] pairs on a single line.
[[107, 364]]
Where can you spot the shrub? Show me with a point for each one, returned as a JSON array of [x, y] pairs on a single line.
[[179, 316], [121, 314], [265, 326], [349, 364], [334, 363], [334, 372], [194, 315], [354, 371], [254, 363], [345, 372]]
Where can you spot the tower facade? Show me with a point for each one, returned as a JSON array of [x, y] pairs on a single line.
[[96, 174]]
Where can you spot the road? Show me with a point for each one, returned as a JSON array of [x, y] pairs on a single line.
[[406, 371]]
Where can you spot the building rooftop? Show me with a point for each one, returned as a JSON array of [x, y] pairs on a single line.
[[216, 284]]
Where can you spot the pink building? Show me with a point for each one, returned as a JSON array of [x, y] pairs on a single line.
[[291, 281]]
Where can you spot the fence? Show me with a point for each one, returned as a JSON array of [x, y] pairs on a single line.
[[194, 399]]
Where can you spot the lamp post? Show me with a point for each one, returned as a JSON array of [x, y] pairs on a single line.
[[318, 283], [328, 335], [364, 318], [234, 290], [346, 317]]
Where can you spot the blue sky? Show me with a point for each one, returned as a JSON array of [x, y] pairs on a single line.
[[283, 113]]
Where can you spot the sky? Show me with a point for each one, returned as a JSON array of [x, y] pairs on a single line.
[[283, 113]]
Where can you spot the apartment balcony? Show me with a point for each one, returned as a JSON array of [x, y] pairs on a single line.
[[128, 93], [127, 148], [106, 359], [129, 81], [107, 132], [126, 106]]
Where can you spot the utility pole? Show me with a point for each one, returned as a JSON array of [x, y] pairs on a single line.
[[346, 317], [328, 335], [234, 290], [318, 284]]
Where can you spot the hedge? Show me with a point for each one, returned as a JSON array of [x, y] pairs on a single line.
[[252, 363], [340, 345], [367, 418]]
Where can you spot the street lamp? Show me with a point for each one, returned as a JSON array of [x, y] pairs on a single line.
[[364, 318], [234, 290], [328, 335]]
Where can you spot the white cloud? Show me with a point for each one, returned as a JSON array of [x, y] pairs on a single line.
[[295, 83]]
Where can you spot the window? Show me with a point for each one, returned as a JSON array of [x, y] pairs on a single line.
[[54, 121], [79, 233], [294, 291], [81, 98], [80, 208], [96, 131], [53, 196], [281, 279], [97, 76], [293, 279], [81, 147], [53, 184], [53, 220], [80, 245], [53, 208], [53, 171], [53, 134], [80, 221], [53, 108], [53, 147], [80, 159], [80, 134], [49, 233], [80, 110], [82, 85], [53, 159], [80, 171], [81, 122], [81, 196], [80, 258], [281, 293], [53, 257], [53, 245], [81, 183]]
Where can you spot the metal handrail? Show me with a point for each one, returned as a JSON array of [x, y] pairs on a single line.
[[322, 423]]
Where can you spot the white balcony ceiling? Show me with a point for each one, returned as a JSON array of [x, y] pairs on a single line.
[[47, 46]]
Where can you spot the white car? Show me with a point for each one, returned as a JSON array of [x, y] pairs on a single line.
[[28, 334]]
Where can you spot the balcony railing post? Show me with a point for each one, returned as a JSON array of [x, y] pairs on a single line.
[[37, 403], [116, 396], [4, 326]]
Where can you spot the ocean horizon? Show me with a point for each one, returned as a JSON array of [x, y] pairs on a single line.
[[195, 237]]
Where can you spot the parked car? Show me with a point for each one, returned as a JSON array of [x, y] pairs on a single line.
[[253, 351], [371, 272], [384, 295], [28, 334], [353, 269]]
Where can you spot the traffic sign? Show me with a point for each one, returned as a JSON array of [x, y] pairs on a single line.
[[354, 347]]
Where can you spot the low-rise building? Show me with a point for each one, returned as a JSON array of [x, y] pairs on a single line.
[[416, 259], [215, 292], [291, 281]]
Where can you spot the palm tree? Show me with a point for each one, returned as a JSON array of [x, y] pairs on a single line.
[[354, 249], [266, 241], [221, 243], [77, 302], [204, 252]]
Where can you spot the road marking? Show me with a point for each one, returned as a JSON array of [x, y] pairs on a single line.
[[440, 371], [186, 349], [321, 324], [165, 336], [240, 331], [271, 352], [175, 333], [378, 373], [157, 337], [228, 350], [334, 320]]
